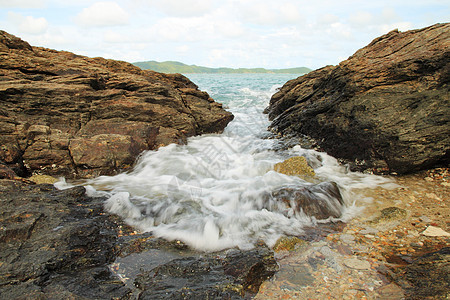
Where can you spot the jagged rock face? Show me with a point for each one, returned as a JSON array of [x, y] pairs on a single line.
[[65, 114], [387, 107]]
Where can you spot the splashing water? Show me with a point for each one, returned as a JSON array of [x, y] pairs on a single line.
[[214, 192]]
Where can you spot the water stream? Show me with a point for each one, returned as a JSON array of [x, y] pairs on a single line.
[[215, 192]]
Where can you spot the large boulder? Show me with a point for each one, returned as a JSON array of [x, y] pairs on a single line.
[[386, 107], [65, 114]]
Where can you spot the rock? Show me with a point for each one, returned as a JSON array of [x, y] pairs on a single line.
[[435, 231], [391, 291], [211, 277], [295, 166], [70, 115], [320, 201], [425, 219], [55, 242], [62, 243], [387, 107], [357, 264], [6, 172], [429, 276], [288, 243], [389, 214], [40, 179], [347, 238]]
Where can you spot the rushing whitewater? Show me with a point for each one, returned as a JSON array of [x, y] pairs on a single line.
[[215, 192]]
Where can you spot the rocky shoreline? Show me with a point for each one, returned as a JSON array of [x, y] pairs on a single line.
[[398, 248], [64, 114], [386, 108]]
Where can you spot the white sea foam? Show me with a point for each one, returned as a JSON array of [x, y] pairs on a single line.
[[215, 192]]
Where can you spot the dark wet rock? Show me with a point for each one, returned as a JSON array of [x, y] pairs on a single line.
[[387, 107], [230, 275], [429, 276], [60, 244], [321, 201], [70, 115], [55, 243]]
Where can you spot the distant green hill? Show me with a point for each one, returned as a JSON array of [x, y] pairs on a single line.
[[178, 67]]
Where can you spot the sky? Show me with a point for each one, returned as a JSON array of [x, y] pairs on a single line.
[[217, 33]]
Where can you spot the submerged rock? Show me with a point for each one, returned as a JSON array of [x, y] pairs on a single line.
[[70, 115], [429, 276], [288, 243], [389, 214], [387, 107], [321, 201], [232, 275]]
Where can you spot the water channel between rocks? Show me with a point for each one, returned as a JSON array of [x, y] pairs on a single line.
[[216, 192]]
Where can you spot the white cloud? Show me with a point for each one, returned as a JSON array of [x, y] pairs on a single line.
[[402, 26], [181, 8], [23, 3], [269, 13], [112, 36], [230, 29], [290, 13], [361, 18], [175, 29], [183, 49], [28, 24], [103, 14], [388, 14], [339, 30], [327, 19]]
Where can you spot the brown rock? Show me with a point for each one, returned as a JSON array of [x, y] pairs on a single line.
[[65, 114], [295, 166], [387, 107]]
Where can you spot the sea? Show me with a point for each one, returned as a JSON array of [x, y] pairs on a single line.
[[215, 192]]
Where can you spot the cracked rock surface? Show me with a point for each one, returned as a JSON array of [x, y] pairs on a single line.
[[66, 114]]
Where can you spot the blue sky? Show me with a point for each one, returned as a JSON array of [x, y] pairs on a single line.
[[216, 33]]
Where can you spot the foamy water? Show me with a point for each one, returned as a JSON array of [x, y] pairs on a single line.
[[215, 192]]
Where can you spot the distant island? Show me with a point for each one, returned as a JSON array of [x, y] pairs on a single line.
[[178, 67]]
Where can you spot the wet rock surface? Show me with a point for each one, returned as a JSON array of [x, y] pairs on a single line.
[[60, 244], [321, 201], [429, 275], [55, 243], [66, 114], [231, 275], [382, 253], [387, 107]]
